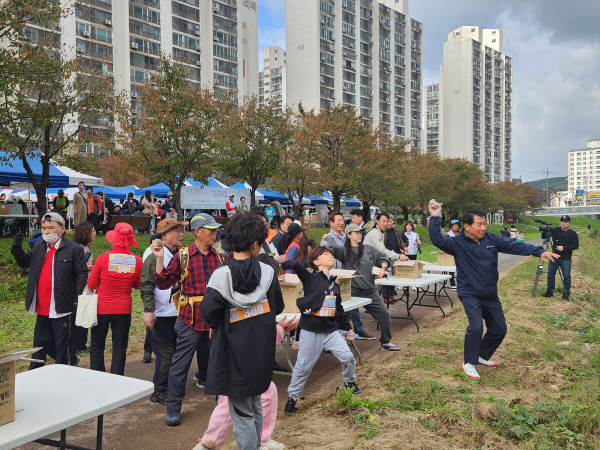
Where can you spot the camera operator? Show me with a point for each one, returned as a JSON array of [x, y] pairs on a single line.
[[564, 241]]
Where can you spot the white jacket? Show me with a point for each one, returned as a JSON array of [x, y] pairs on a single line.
[[374, 238]]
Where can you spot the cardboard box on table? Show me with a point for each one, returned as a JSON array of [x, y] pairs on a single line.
[[444, 259], [344, 279], [292, 289], [315, 217], [407, 269], [8, 372]]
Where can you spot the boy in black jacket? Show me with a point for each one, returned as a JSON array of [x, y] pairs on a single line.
[[240, 304], [320, 329]]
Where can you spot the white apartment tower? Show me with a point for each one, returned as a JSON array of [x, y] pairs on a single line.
[[216, 40], [431, 124], [584, 167], [476, 101], [363, 53], [272, 79]]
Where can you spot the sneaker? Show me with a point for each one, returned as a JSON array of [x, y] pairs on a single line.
[[356, 391], [272, 445], [364, 335], [565, 296], [147, 357], [486, 362], [389, 300], [547, 294], [196, 376], [470, 370], [173, 418], [290, 407], [200, 446], [389, 346], [200, 384], [159, 397]]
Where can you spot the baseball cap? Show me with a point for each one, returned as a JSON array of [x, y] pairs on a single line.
[[352, 227], [453, 222], [565, 218], [294, 229], [60, 191], [168, 224], [54, 217], [204, 221]]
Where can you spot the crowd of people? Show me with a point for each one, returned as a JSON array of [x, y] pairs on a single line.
[[217, 300]]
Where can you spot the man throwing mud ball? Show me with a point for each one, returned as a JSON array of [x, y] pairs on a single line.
[[476, 255]]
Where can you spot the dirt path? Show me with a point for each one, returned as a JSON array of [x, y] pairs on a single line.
[[141, 425]]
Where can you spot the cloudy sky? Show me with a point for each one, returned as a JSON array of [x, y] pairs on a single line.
[[556, 78]]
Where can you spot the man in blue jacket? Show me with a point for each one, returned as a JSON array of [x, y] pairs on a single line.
[[476, 255]]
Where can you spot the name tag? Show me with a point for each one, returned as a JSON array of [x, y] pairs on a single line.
[[328, 308], [238, 314], [121, 263]]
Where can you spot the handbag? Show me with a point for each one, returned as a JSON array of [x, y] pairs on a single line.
[[87, 309], [311, 303]]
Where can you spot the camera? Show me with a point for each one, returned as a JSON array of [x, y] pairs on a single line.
[[545, 229]]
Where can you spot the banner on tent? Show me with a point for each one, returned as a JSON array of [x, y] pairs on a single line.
[[199, 197]]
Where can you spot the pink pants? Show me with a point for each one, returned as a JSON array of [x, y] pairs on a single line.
[[220, 425]]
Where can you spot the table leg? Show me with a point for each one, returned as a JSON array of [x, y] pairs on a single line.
[[353, 344], [63, 439], [99, 430]]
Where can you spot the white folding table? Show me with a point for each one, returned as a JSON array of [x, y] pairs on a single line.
[[55, 397], [444, 270], [421, 284]]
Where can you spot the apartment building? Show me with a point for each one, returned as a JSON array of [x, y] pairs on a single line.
[[216, 40], [272, 79], [431, 122], [366, 54], [476, 101], [584, 167]]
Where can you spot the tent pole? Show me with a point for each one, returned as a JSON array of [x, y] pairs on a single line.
[[29, 206]]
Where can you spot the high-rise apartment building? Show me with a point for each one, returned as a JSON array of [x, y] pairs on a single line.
[[365, 53], [431, 125], [476, 101], [216, 40], [584, 167], [272, 79]]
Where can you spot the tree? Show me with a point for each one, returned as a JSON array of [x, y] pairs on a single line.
[[48, 103], [172, 136], [297, 173], [252, 140], [515, 198], [342, 140], [466, 185]]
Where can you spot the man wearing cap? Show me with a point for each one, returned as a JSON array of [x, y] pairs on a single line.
[[564, 241], [169, 207], [57, 276], [192, 332], [454, 229], [61, 204], [160, 312], [230, 206], [129, 206]]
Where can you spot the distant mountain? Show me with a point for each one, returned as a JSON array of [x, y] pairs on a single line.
[[554, 184]]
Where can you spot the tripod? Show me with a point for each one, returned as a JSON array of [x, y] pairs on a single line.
[[540, 268]]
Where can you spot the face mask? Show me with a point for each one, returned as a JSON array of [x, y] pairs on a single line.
[[50, 238]]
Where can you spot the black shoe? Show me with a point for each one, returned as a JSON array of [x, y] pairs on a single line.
[[565, 296], [278, 368], [547, 294], [290, 407], [147, 357], [159, 397], [356, 391]]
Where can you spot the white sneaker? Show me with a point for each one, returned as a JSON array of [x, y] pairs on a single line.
[[272, 445], [200, 446], [470, 370], [485, 362]]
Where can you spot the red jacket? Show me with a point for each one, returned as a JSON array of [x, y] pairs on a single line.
[[114, 274]]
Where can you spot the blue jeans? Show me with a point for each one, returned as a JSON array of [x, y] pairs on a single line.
[[565, 267], [358, 326]]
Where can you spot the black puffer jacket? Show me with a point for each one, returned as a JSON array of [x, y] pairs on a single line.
[[70, 272]]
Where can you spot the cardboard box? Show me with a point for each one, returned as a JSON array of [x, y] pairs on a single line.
[[407, 269], [315, 217], [444, 259], [8, 372], [292, 289], [344, 279]]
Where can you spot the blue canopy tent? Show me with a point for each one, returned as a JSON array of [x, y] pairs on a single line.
[[317, 200], [212, 182], [275, 196], [157, 190], [352, 202], [125, 189]]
